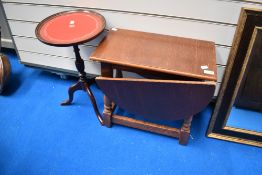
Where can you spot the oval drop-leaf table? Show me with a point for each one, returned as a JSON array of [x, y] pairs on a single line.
[[180, 77]]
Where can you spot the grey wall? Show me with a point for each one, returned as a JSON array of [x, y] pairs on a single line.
[[6, 36]]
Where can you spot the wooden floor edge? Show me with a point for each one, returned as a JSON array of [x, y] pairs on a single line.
[[147, 126]]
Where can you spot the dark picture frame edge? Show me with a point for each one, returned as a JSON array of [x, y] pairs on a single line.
[[249, 25]]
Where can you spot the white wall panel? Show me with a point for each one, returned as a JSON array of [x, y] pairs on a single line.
[[33, 45], [57, 62], [220, 73], [218, 85], [210, 10], [222, 54], [6, 40], [162, 25]]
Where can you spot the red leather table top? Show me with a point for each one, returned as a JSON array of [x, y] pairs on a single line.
[[72, 27]]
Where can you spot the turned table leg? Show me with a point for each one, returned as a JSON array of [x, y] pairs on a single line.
[[107, 113], [185, 131], [107, 71]]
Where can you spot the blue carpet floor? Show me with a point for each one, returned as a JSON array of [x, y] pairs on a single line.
[[246, 119], [39, 137]]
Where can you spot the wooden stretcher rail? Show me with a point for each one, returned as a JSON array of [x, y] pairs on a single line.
[[142, 125]]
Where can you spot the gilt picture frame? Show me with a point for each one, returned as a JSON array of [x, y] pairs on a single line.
[[247, 37]]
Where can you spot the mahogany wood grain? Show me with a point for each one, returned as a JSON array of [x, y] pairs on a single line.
[[107, 71], [138, 124], [5, 68], [177, 87], [155, 52], [185, 131], [158, 99], [5, 71]]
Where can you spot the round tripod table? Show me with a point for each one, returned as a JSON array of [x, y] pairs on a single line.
[[72, 28]]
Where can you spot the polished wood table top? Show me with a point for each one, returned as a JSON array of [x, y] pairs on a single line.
[[70, 28], [154, 52]]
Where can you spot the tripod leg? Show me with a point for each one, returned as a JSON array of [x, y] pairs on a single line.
[[92, 98], [71, 90]]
